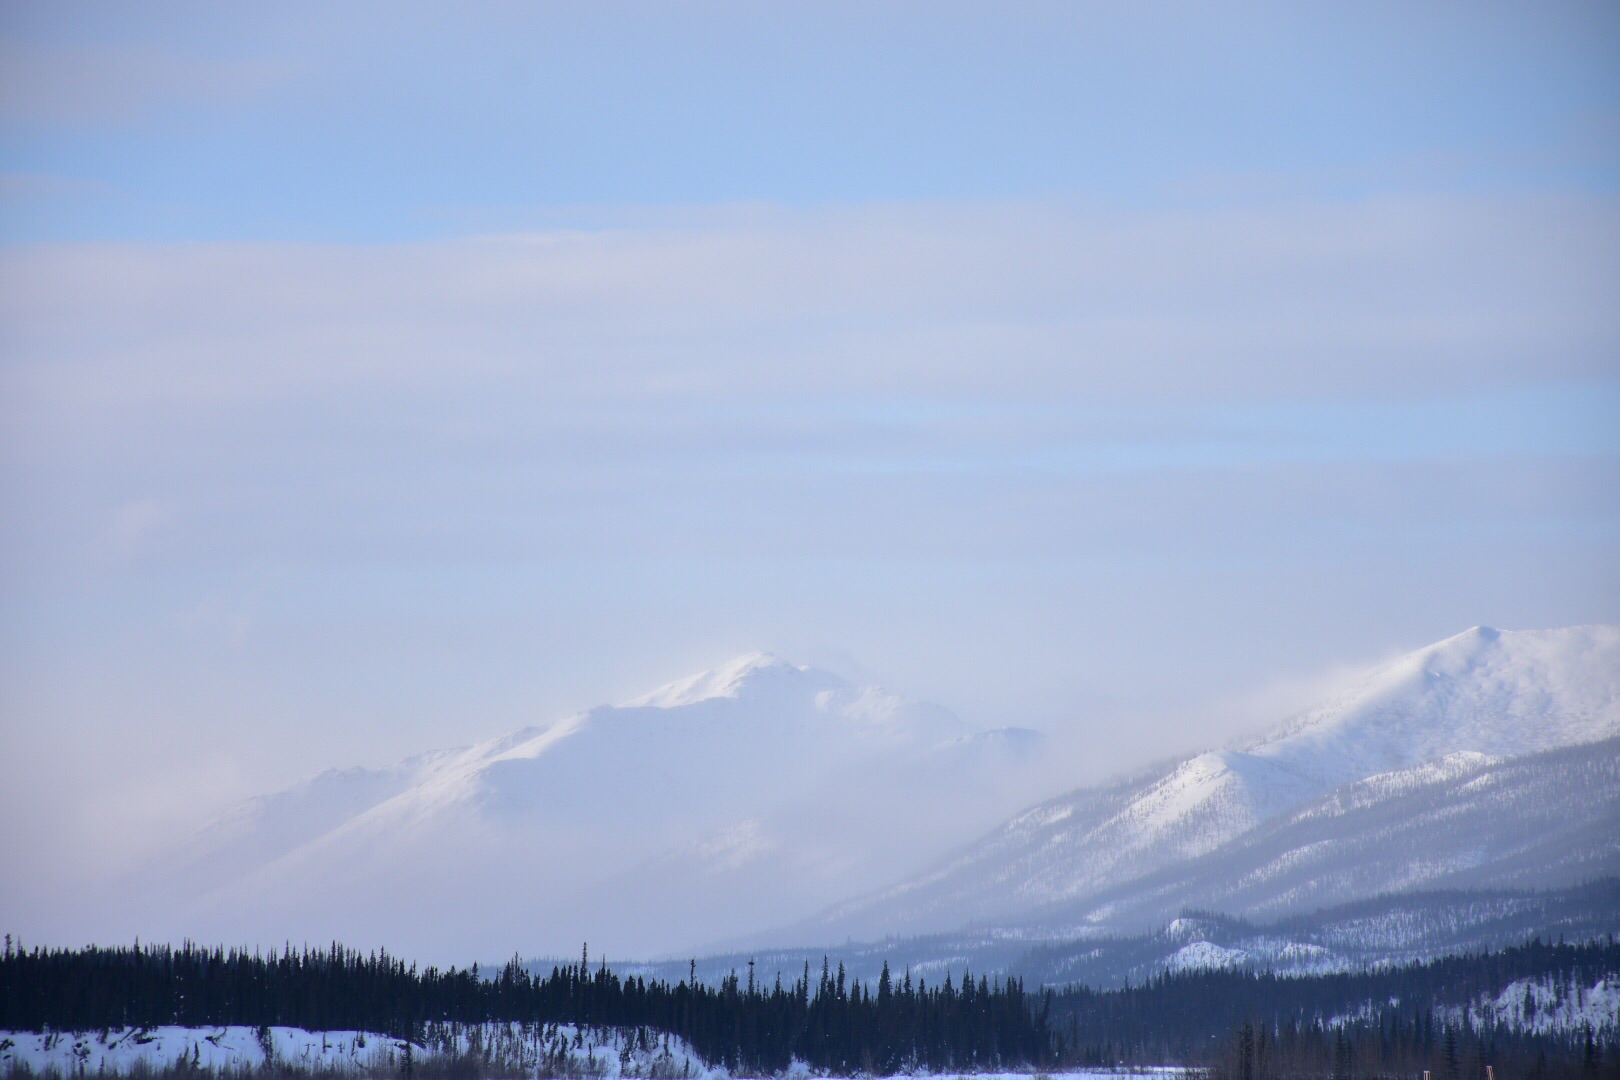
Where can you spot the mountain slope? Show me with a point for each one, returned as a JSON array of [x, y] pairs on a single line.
[[1486, 695], [1544, 820]]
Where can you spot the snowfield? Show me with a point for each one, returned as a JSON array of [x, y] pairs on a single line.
[[607, 1054], [119, 1050]]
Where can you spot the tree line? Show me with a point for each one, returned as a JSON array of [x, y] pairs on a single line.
[[1385, 1022], [829, 1022]]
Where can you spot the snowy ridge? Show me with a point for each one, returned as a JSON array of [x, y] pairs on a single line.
[[1468, 822], [1498, 692], [748, 672]]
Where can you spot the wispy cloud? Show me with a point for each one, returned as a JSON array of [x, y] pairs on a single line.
[[890, 361], [1381, 300]]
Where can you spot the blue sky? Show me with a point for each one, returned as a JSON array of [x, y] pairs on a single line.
[[378, 377], [387, 122]]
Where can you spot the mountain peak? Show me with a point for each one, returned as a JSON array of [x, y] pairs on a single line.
[[1498, 692], [733, 679], [1473, 637]]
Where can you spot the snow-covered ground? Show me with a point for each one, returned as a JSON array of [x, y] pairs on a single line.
[[604, 1053], [119, 1049], [1165, 1071], [608, 1054]]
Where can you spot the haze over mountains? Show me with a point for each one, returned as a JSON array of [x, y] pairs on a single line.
[[721, 802], [768, 804]]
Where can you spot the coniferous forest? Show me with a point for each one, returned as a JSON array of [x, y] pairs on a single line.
[[1386, 1022], [1393, 1022], [825, 1020]]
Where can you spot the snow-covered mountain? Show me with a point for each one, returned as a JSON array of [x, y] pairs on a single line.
[[1403, 778], [763, 794], [718, 803]]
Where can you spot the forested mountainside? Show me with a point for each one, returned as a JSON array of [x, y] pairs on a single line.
[[1379, 932], [1536, 998], [1376, 932]]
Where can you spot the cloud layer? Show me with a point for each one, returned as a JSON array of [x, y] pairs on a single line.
[[845, 404]]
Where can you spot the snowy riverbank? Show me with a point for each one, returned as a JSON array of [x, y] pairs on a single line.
[[510, 1049]]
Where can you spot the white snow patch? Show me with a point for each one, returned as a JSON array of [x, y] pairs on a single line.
[[1204, 956], [607, 1053]]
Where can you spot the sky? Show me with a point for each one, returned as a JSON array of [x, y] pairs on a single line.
[[379, 377]]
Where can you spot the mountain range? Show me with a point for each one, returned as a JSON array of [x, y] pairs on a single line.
[[765, 803]]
